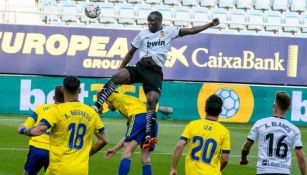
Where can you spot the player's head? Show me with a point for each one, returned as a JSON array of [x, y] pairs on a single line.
[[71, 85], [214, 105], [282, 102], [58, 95], [154, 20]]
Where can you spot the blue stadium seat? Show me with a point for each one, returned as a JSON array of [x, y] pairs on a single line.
[[212, 30], [273, 18], [58, 23], [226, 4], [166, 12], [115, 26], [51, 9], [237, 16], [266, 33], [297, 5], [244, 4], [304, 22], [69, 10], [153, 1], [222, 15], [107, 13], [134, 27], [171, 2], [280, 5], [182, 13], [97, 25], [126, 13], [230, 32], [291, 19], [208, 3], [262, 4], [76, 24], [116, 1], [248, 32], [142, 12], [200, 16], [255, 17], [134, 1], [190, 2]]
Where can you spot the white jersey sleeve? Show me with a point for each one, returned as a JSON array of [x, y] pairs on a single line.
[[137, 41], [174, 32], [297, 140], [253, 134]]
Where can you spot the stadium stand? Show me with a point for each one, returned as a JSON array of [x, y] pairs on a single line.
[[260, 17]]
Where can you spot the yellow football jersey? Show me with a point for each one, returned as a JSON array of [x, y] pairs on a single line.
[[206, 141], [127, 105], [41, 141], [72, 127]]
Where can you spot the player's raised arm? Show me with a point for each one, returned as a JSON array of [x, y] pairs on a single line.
[[128, 57], [197, 29]]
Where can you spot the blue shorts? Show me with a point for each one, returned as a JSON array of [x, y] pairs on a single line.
[[36, 159], [136, 129]]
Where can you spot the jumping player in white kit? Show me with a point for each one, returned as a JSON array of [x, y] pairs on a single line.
[[277, 137]]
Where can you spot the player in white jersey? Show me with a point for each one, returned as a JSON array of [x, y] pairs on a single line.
[[277, 137], [154, 44]]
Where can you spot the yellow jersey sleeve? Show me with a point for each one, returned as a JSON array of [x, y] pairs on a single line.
[[226, 143], [50, 117], [29, 122], [186, 134], [99, 126]]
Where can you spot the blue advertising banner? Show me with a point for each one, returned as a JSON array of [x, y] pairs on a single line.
[[90, 52]]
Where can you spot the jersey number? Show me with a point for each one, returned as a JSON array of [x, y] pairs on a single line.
[[279, 145], [204, 157], [76, 135]]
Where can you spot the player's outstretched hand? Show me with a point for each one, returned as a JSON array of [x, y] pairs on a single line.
[[215, 22], [109, 154], [243, 162], [173, 172], [20, 127]]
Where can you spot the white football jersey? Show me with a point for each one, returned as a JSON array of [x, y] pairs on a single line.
[[155, 45], [277, 137]]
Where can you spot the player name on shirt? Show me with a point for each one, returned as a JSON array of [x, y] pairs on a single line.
[[78, 113], [278, 124]]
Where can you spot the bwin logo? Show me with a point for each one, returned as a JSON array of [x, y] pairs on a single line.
[[176, 54], [155, 43]]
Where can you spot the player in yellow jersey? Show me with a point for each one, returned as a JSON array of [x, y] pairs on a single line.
[[72, 126], [208, 143], [38, 155], [135, 112]]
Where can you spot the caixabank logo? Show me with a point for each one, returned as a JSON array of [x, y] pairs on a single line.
[[247, 59], [238, 101]]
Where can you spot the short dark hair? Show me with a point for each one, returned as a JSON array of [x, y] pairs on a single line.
[[157, 13], [71, 84], [283, 100], [214, 105], [58, 94]]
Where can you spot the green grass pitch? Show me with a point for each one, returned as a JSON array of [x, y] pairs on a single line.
[[13, 149]]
